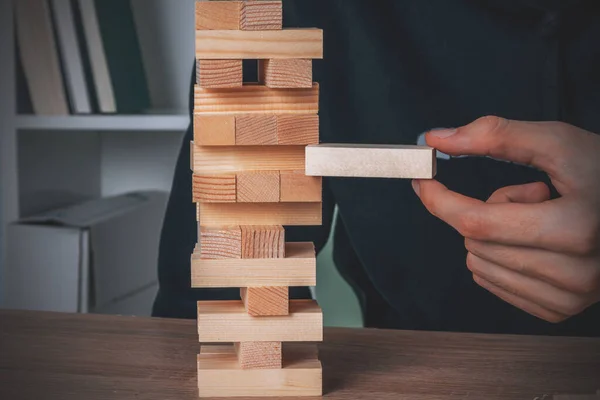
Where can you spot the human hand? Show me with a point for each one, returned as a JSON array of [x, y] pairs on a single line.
[[538, 254]]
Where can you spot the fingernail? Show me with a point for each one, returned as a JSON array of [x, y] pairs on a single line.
[[442, 133], [416, 187]]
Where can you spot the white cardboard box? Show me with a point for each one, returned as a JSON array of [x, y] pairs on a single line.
[[94, 256]]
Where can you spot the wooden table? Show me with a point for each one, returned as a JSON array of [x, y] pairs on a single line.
[[47, 356]]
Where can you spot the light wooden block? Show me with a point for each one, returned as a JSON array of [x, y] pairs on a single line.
[[259, 355], [214, 188], [260, 15], [220, 375], [298, 268], [211, 160], [255, 130], [371, 161], [213, 74], [263, 241], [258, 187], [214, 130], [219, 243], [266, 301], [285, 74], [296, 187], [280, 44], [298, 129], [218, 14], [253, 98], [212, 214], [228, 322]]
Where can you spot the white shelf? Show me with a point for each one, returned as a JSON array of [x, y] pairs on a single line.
[[96, 123]]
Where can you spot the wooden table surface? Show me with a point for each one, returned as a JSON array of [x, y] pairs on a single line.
[[85, 357]]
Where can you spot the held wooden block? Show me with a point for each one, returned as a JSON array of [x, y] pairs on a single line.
[[250, 99], [298, 129], [218, 14], [263, 241], [285, 74], [371, 161], [281, 44], [266, 301], [260, 15], [219, 243], [220, 375], [259, 355], [213, 74], [228, 322], [214, 188], [298, 188], [255, 130], [258, 187], [214, 130], [299, 268], [233, 159], [212, 214]]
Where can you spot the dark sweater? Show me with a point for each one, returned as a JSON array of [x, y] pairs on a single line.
[[392, 70]]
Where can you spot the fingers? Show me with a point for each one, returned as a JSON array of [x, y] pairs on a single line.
[[529, 289], [536, 192]]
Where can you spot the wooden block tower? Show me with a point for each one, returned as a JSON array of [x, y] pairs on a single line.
[[248, 162]]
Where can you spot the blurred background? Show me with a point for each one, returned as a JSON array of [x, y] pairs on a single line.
[[93, 108]]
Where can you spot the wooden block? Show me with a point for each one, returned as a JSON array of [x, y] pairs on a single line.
[[259, 355], [258, 187], [298, 129], [211, 214], [255, 130], [219, 243], [266, 301], [254, 98], [299, 188], [228, 322], [299, 268], [284, 74], [263, 241], [213, 74], [214, 188], [262, 15], [280, 44], [220, 375], [233, 159], [371, 161], [218, 14], [214, 130]]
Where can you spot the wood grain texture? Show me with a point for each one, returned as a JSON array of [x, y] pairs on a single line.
[[371, 161], [228, 322], [256, 130], [281, 44], [266, 301], [299, 268], [214, 74], [218, 14], [83, 356], [210, 214], [253, 98], [258, 187], [577, 397], [259, 355], [298, 129], [233, 159], [260, 15], [219, 243], [219, 374], [263, 241], [214, 130], [298, 188], [214, 188], [285, 74]]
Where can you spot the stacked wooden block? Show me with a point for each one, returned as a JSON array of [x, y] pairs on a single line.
[[248, 162]]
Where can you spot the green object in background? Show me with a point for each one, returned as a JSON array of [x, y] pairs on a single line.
[[124, 56]]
